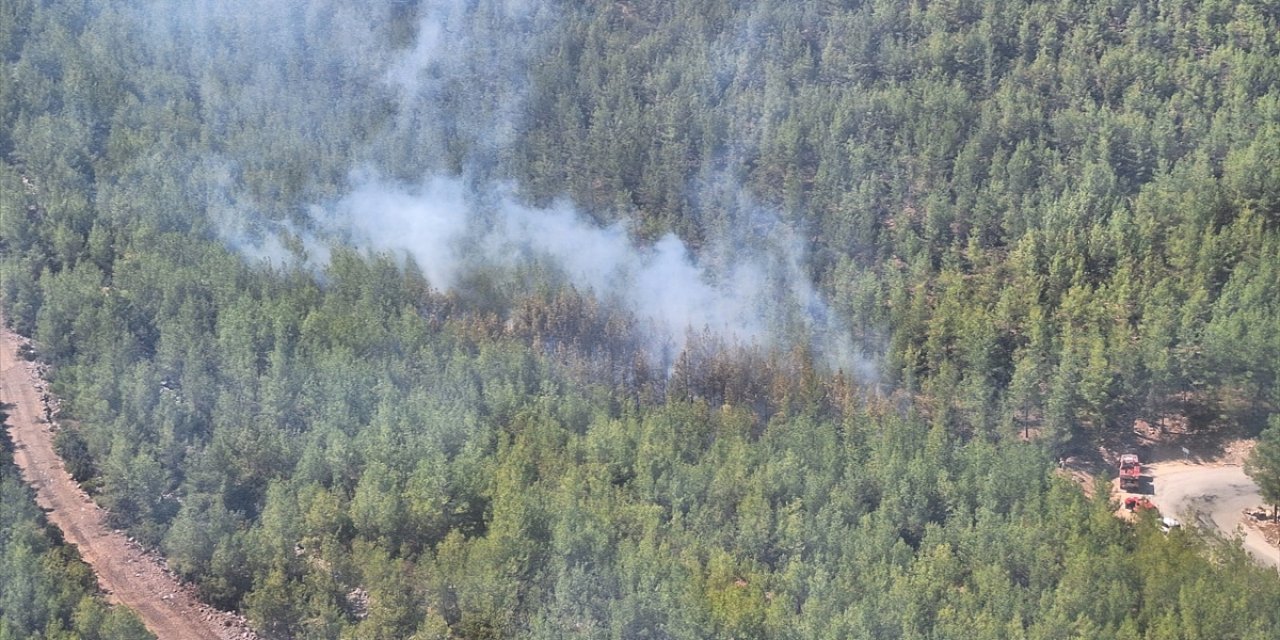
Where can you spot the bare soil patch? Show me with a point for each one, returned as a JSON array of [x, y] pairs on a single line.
[[126, 573], [1194, 475], [1216, 496], [1260, 519]]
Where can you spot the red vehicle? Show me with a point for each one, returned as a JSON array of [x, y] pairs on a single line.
[[1133, 503], [1130, 472]]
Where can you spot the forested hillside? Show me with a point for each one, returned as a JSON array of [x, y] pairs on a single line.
[[45, 590], [1050, 217]]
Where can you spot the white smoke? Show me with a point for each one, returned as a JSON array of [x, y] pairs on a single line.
[[459, 88], [756, 295], [435, 224]]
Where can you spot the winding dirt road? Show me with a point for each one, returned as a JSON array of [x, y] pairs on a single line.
[[1213, 496], [128, 575]]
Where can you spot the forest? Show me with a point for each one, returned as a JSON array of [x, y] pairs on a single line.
[[319, 290], [45, 590]]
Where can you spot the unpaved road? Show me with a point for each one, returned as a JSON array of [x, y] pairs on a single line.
[[128, 575], [1211, 495]]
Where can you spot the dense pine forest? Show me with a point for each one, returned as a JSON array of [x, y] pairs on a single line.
[[1016, 227]]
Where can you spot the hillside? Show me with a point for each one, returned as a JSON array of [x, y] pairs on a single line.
[[649, 319], [47, 591], [125, 573]]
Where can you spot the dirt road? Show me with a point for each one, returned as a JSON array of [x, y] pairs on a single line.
[[1213, 496], [128, 575]]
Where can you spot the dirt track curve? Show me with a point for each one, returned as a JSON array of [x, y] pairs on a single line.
[[129, 576], [1213, 496]]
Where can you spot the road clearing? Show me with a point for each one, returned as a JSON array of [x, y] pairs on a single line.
[[1213, 496], [126, 573]]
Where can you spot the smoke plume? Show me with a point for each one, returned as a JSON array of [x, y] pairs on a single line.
[[427, 185], [753, 297]]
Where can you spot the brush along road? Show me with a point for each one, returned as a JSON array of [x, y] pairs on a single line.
[[1214, 496], [128, 575]]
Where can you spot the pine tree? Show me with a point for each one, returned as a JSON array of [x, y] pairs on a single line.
[[1263, 465]]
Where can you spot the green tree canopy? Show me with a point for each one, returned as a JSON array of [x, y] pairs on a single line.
[[1263, 464]]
